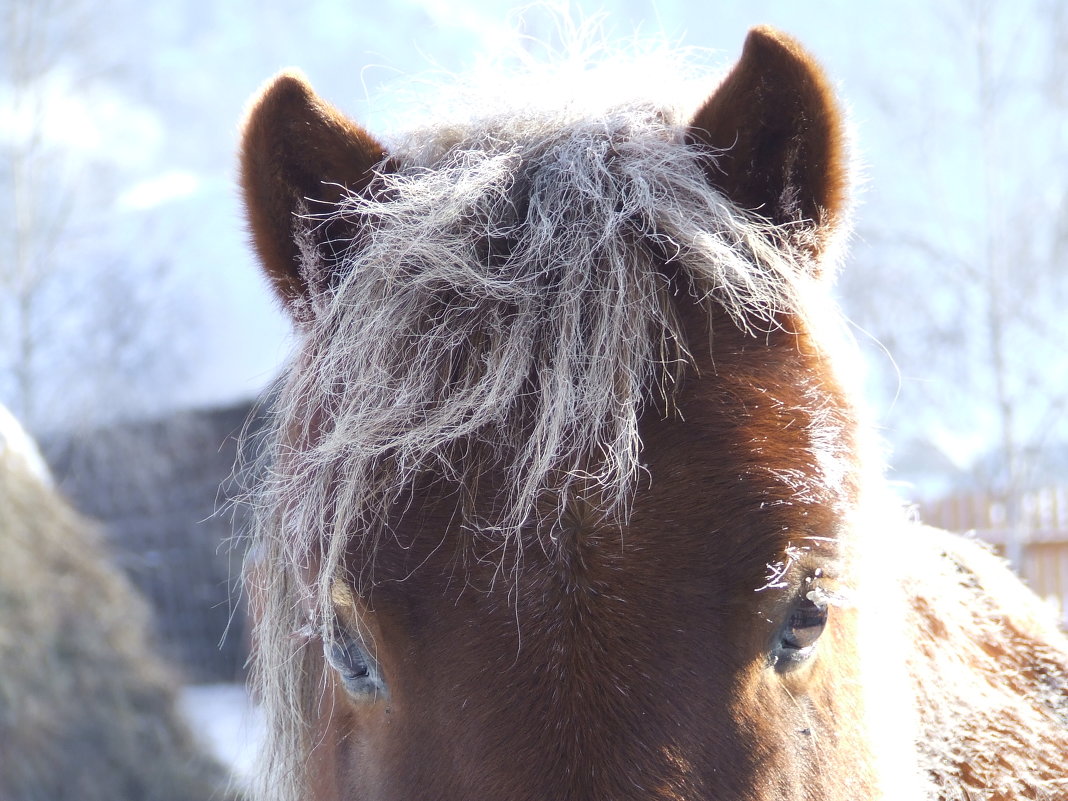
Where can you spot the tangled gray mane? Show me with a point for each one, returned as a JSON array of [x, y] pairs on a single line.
[[502, 306]]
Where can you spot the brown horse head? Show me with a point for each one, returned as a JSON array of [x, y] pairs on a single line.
[[563, 500]]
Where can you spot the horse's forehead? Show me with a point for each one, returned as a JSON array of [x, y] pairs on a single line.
[[728, 493], [752, 454]]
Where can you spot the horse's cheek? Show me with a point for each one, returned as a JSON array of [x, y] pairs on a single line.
[[837, 746], [350, 745], [808, 724]]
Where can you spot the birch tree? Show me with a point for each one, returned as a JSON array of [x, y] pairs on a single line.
[[75, 295]]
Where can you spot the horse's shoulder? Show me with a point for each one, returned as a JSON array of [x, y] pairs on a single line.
[[989, 666]]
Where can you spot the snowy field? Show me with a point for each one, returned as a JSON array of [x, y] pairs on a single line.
[[226, 721]]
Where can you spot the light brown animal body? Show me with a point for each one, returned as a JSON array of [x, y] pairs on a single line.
[[88, 710]]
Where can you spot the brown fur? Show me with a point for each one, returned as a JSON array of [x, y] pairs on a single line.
[[779, 132], [291, 140], [623, 655], [623, 663]]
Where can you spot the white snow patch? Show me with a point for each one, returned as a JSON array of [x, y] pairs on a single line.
[[16, 444], [228, 722]]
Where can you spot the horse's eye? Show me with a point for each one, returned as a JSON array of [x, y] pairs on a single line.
[[798, 636], [805, 625], [357, 669]]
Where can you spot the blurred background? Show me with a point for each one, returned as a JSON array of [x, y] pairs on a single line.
[[135, 330]]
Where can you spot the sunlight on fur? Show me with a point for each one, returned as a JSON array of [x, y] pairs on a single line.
[[422, 287], [504, 297]]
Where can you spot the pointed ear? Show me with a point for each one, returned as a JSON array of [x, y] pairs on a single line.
[[777, 133], [299, 155]]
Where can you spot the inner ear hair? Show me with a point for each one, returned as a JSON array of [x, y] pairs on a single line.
[[777, 138], [298, 155]]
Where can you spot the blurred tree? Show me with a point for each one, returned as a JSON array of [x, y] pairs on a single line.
[[75, 300], [967, 285]]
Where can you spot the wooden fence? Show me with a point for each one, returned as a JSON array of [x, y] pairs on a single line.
[[1042, 532]]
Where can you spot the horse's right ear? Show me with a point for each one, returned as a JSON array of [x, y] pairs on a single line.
[[299, 156], [776, 133]]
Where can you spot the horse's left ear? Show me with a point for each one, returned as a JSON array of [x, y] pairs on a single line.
[[777, 134], [299, 156]]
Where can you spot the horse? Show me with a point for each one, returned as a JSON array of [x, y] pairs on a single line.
[[567, 494], [88, 709]]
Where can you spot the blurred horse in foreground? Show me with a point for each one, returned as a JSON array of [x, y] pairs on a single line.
[[566, 495], [87, 711]]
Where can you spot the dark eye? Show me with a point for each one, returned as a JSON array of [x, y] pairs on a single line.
[[798, 636], [357, 669], [805, 625]]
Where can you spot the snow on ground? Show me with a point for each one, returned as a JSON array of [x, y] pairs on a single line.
[[227, 721]]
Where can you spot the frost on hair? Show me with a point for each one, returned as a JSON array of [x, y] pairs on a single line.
[[502, 294], [507, 291]]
